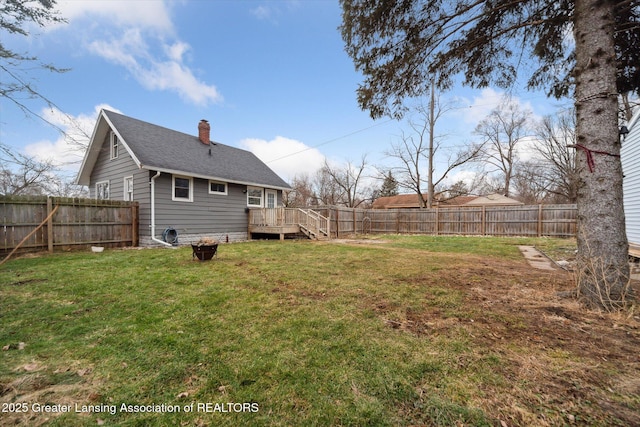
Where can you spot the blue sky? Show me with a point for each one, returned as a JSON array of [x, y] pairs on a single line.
[[270, 76]]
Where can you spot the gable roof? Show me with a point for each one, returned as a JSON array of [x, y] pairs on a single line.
[[161, 149], [494, 199]]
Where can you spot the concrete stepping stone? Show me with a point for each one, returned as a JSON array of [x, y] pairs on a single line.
[[535, 258]]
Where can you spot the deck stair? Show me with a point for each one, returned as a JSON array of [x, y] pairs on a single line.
[[289, 221], [313, 225]]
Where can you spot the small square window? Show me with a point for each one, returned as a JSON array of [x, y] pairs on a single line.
[[254, 197], [182, 189], [217, 187]]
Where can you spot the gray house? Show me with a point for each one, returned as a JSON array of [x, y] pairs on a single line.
[[630, 157], [182, 182]]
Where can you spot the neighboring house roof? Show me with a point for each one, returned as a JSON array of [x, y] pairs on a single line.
[[493, 200], [457, 201], [404, 201], [397, 202], [157, 148]]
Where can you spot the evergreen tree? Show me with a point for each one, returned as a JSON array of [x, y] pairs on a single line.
[[389, 186]]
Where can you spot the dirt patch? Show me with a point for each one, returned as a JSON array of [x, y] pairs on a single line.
[[558, 356], [39, 386]]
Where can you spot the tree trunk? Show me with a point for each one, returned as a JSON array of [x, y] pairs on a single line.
[[432, 125], [602, 261], [507, 181]]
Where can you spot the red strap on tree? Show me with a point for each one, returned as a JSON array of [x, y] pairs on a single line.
[[590, 162]]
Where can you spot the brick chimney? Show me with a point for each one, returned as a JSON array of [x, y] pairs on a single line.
[[204, 132]]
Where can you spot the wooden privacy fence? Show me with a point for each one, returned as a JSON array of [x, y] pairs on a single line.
[[533, 220], [76, 223]]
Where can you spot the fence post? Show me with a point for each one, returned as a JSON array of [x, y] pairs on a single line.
[[49, 225], [134, 224], [540, 220], [355, 229], [484, 220]]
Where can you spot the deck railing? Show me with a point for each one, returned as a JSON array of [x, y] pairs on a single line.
[[307, 219], [314, 223]]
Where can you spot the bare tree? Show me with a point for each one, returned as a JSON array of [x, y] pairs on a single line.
[[326, 189], [24, 175], [421, 146], [347, 184], [556, 135], [16, 85], [410, 151], [500, 134], [532, 182], [302, 193]]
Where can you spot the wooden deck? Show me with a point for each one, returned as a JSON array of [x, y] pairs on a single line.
[[634, 250], [281, 230], [283, 221]]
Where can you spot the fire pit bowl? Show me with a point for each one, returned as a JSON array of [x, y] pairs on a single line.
[[204, 252]]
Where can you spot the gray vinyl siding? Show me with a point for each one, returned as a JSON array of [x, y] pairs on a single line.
[[630, 154], [114, 171], [206, 214]]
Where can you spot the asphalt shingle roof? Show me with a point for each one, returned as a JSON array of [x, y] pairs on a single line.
[[157, 147]]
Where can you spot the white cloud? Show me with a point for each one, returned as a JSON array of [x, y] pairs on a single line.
[[168, 73], [271, 11], [176, 51], [262, 12], [481, 106], [134, 34], [466, 176], [174, 76], [287, 157], [124, 51], [67, 151], [141, 14]]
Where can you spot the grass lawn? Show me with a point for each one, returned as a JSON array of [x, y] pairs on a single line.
[[392, 330]]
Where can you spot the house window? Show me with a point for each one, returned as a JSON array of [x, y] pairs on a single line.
[[128, 188], [182, 188], [114, 145], [254, 197], [102, 190], [217, 187], [272, 199]]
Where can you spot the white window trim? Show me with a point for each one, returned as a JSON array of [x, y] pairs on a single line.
[[108, 189], [173, 189], [114, 148], [275, 198], [226, 188], [261, 197], [124, 185]]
